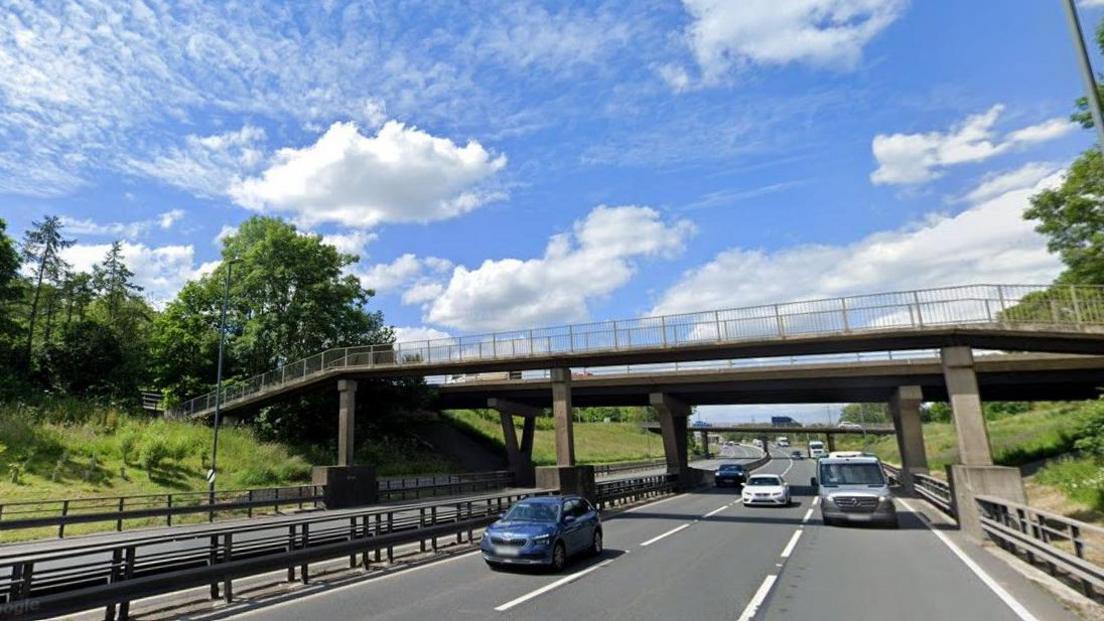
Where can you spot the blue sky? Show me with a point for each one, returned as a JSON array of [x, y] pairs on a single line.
[[528, 163]]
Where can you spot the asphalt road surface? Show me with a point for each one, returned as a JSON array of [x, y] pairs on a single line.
[[704, 556]]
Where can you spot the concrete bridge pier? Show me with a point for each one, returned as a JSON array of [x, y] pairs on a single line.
[[518, 456], [346, 485], [904, 408], [975, 474], [705, 442], [830, 442], [673, 415], [566, 475]]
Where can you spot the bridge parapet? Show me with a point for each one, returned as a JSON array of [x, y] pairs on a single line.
[[1027, 307]]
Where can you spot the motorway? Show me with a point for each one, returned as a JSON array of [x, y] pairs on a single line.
[[703, 556]]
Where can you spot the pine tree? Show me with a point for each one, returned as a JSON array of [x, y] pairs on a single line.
[[42, 246], [112, 279]]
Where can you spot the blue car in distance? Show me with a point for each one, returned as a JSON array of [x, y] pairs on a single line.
[[543, 530]]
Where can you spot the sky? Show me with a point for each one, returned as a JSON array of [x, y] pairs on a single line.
[[518, 164]]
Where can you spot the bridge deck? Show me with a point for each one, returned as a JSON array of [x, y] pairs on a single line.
[[1006, 317]]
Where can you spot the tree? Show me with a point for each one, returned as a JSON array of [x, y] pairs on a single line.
[[42, 245], [112, 279], [89, 360], [11, 291], [79, 293], [1071, 217], [290, 297], [864, 413]]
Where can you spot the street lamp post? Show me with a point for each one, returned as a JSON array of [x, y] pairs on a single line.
[[1091, 94], [218, 381]]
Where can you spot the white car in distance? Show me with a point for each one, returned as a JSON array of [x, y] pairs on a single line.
[[766, 489]]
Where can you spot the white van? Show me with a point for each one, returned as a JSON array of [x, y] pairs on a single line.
[[816, 449], [782, 442]]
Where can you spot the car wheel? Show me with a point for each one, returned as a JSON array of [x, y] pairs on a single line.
[[559, 557], [894, 523], [596, 544], [827, 520]]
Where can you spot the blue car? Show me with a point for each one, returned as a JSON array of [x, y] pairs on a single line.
[[543, 530]]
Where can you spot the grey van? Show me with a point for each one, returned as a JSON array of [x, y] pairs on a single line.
[[854, 489]]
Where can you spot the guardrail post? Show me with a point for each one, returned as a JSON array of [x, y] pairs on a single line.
[[113, 574], [376, 552], [433, 522], [459, 514], [168, 507], [227, 556], [469, 517], [291, 547], [390, 529], [304, 569], [119, 521], [249, 499], [352, 536], [64, 514], [128, 573], [211, 503], [212, 560]]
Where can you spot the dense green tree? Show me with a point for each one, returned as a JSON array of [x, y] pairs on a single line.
[[1071, 217], [290, 297], [11, 292], [864, 413], [42, 246], [89, 360]]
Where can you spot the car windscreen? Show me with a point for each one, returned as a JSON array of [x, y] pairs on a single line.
[[851, 474], [732, 468], [764, 481], [533, 512]]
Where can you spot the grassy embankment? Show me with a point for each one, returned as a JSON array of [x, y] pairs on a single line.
[[595, 443], [1069, 485], [71, 448]]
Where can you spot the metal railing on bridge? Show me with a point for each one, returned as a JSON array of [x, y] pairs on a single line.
[[1068, 306]]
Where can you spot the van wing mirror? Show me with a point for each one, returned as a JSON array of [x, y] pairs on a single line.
[[813, 482]]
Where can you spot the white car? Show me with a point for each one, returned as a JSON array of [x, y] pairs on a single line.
[[766, 489]]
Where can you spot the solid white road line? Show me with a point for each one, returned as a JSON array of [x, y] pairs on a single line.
[[758, 599], [1006, 597], [548, 587], [808, 516], [664, 535], [793, 542], [715, 511]]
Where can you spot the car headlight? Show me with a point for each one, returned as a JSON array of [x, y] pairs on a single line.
[[542, 540]]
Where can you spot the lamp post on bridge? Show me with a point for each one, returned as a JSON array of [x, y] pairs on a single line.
[[213, 472]]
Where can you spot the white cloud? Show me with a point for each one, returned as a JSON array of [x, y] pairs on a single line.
[[909, 159], [988, 243], [422, 292], [994, 185], [1042, 132], [1091, 3], [352, 242], [206, 165], [161, 271], [226, 231], [599, 256], [403, 271], [133, 229], [407, 334], [401, 174], [726, 34]]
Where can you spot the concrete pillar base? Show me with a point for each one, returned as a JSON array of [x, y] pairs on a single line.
[[578, 480], [970, 481], [347, 486], [525, 474]]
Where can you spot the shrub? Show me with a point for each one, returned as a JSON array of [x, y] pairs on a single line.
[[154, 451], [1082, 479]]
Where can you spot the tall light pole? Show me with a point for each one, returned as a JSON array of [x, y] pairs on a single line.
[[1091, 94], [218, 382]]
